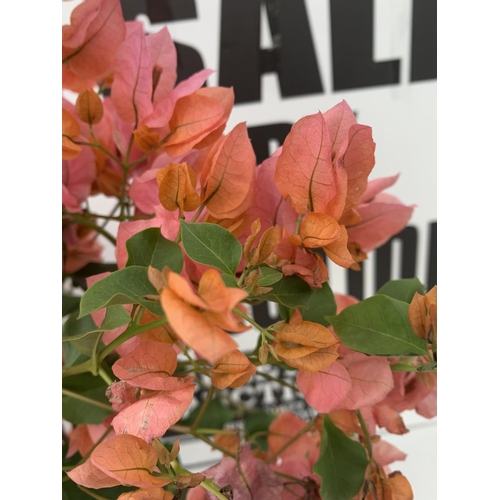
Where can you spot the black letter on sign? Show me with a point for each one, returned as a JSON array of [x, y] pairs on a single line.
[[352, 47], [242, 61], [424, 41], [260, 137], [159, 11], [188, 61], [432, 264], [355, 282], [383, 257]]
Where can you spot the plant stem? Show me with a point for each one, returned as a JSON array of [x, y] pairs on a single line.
[[214, 445], [136, 162], [368, 439], [291, 478], [86, 366], [179, 470], [263, 331], [244, 274], [203, 408], [182, 429], [123, 190], [403, 367], [95, 361], [198, 213], [85, 399], [280, 381], [297, 225], [103, 374], [116, 218], [131, 331], [91, 493], [305, 429], [98, 146], [211, 489], [80, 219]]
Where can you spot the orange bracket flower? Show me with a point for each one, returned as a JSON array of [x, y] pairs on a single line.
[[233, 370], [307, 346], [202, 319]]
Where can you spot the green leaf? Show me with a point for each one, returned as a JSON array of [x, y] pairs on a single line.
[[69, 304], [285, 312], [428, 367], [341, 465], [75, 328], [229, 280], [403, 290], [126, 286], [116, 316], [88, 344], [211, 245], [291, 291], [258, 421], [216, 415], [77, 411], [378, 325], [322, 304], [72, 356], [150, 248], [269, 276], [70, 491]]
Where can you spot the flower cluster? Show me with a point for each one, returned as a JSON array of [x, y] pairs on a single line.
[[204, 233]]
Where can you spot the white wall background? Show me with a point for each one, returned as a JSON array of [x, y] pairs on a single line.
[[403, 118]]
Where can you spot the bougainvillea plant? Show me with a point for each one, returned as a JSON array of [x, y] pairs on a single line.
[[204, 234]]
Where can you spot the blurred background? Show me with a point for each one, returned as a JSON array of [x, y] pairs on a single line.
[[288, 59]]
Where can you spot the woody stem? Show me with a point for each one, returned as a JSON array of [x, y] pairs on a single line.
[[263, 331], [297, 225], [130, 332], [366, 433], [280, 381], [198, 213], [203, 408], [84, 221], [91, 493]]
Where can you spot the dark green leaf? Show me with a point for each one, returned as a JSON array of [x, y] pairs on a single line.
[[126, 286], [229, 280], [378, 325], [341, 465], [403, 290], [87, 345], [70, 491], [258, 421], [150, 248], [285, 312], [322, 304], [291, 291], [269, 276], [116, 316], [69, 304], [216, 415], [428, 367], [77, 411], [72, 356], [211, 245], [75, 329]]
